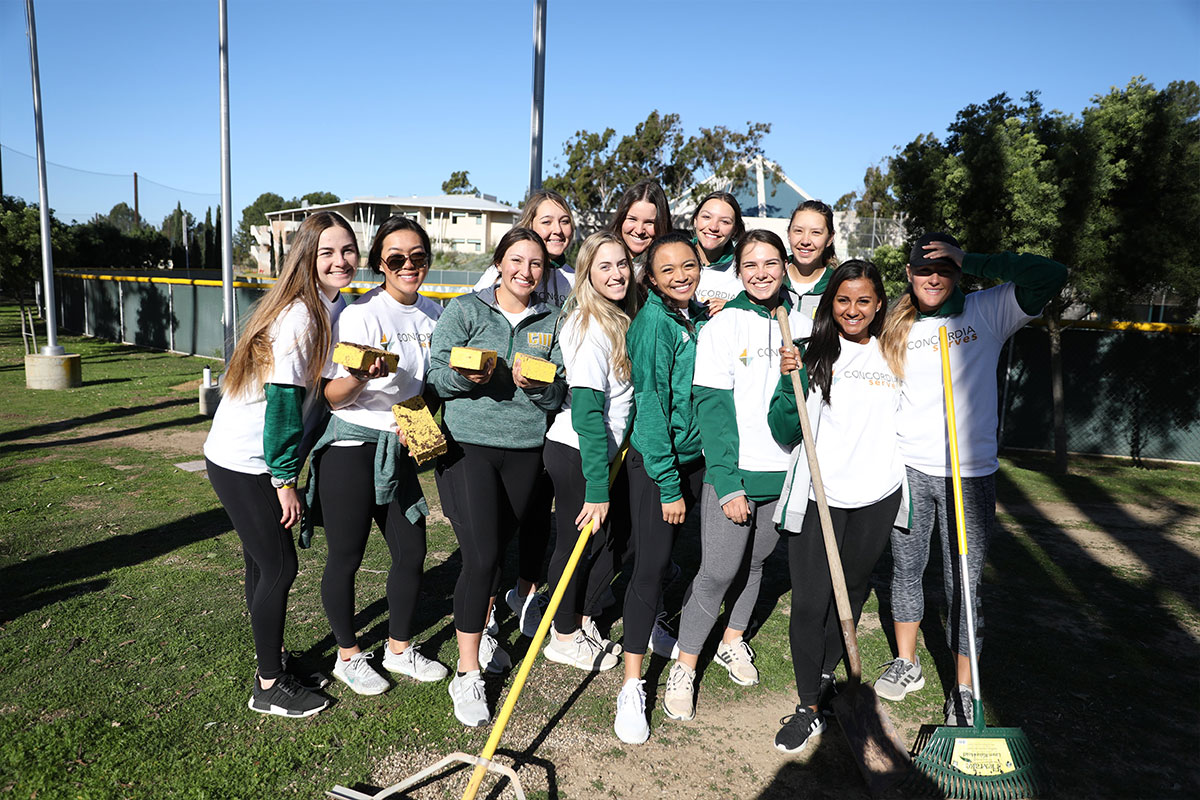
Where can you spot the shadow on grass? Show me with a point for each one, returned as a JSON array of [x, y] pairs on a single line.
[[101, 416], [28, 586], [100, 437]]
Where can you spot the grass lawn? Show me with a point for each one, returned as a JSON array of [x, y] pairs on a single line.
[[126, 657]]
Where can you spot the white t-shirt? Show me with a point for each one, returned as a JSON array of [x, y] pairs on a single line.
[[857, 446], [587, 362], [739, 349], [235, 441], [976, 337], [379, 320], [558, 284], [720, 283]]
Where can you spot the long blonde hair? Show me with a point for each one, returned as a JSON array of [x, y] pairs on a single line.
[[893, 340], [585, 300], [253, 359]]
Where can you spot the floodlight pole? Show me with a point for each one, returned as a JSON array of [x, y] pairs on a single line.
[[226, 194], [539, 91], [52, 348]]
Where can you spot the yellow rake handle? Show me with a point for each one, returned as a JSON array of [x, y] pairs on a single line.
[[518, 684], [960, 521]]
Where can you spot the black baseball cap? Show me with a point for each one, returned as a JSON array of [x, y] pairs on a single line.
[[917, 257]]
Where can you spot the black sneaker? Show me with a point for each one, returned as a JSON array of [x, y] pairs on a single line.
[[286, 698], [313, 681], [798, 729], [825, 695]]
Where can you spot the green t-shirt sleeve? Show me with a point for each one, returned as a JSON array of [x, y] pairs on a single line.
[[283, 429], [652, 360], [782, 418], [716, 415], [587, 418], [1036, 279]]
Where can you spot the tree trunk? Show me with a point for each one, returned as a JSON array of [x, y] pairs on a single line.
[[1056, 389]]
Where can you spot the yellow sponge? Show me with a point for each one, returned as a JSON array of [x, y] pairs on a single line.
[[361, 357], [425, 438], [471, 358], [537, 369]]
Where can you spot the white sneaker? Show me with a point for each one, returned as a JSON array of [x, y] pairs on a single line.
[[679, 698], [662, 643], [737, 657], [470, 699], [414, 665], [491, 657], [528, 609], [359, 675], [631, 726], [607, 645], [580, 652], [493, 627]]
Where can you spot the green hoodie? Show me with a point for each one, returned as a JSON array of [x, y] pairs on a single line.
[[495, 414], [662, 352]]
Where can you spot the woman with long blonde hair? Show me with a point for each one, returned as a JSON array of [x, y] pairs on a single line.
[[270, 410], [582, 442]]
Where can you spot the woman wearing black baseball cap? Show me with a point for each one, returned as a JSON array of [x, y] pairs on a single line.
[[977, 324]]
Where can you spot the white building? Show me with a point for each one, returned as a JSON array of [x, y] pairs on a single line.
[[455, 222]]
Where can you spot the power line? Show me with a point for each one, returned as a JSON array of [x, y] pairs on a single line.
[[127, 175]]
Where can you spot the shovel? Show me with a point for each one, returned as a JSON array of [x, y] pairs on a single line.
[[882, 757]]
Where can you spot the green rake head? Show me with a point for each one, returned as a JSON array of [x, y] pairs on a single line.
[[976, 763]]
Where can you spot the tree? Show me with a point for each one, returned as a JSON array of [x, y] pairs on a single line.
[[877, 188], [317, 199], [598, 166], [254, 214], [123, 218], [458, 183]]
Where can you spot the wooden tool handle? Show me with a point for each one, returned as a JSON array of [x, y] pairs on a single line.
[[836, 576]]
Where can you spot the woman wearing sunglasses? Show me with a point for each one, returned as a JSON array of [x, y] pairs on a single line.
[[365, 470]]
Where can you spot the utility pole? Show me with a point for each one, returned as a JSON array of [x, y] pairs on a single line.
[[539, 91], [226, 192], [52, 347], [137, 214]]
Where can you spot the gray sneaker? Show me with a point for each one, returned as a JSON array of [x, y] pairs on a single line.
[[607, 645], [491, 657], [358, 674], [413, 664], [581, 652], [679, 698], [901, 677], [738, 658], [470, 699], [960, 707]]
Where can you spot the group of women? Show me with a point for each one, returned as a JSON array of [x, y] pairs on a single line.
[[665, 343]]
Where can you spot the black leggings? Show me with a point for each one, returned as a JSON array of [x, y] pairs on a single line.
[[347, 489], [270, 554], [607, 549], [653, 540], [815, 631], [490, 490]]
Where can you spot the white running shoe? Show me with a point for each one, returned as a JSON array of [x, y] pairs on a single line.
[[414, 665], [493, 627], [662, 643], [469, 697], [580, 652], [528, 609], [360, 676], [630, 725], [607, 645], [679, 698], [491, 657], [738, 658]]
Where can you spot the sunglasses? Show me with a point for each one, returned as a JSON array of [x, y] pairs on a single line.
[[396, 262]]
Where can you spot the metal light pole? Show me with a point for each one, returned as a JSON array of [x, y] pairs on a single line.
[[226, 192], [874, 219], [539, 90], [52, 347]]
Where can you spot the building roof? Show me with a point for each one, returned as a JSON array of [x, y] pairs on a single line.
[[779, 195], [449, 202]]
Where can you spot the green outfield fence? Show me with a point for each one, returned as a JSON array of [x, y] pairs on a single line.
[[1132, 389]]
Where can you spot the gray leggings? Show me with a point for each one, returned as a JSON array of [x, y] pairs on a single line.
[[933, 507], [729, 552]]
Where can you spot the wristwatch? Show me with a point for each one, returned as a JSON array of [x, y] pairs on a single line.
[[283, 483]]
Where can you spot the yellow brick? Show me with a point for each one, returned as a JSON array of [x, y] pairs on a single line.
[[471, 358], [537, 369], [361, 357], [425, 438]]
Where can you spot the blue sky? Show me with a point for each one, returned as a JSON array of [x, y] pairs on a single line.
[[372, 98]]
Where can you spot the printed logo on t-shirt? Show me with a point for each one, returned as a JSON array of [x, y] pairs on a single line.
[[544, 340], [871, 378], [421, 339], [749, 355], [955, 337]]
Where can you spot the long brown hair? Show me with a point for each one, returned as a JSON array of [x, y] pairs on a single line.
[[253, 359]]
